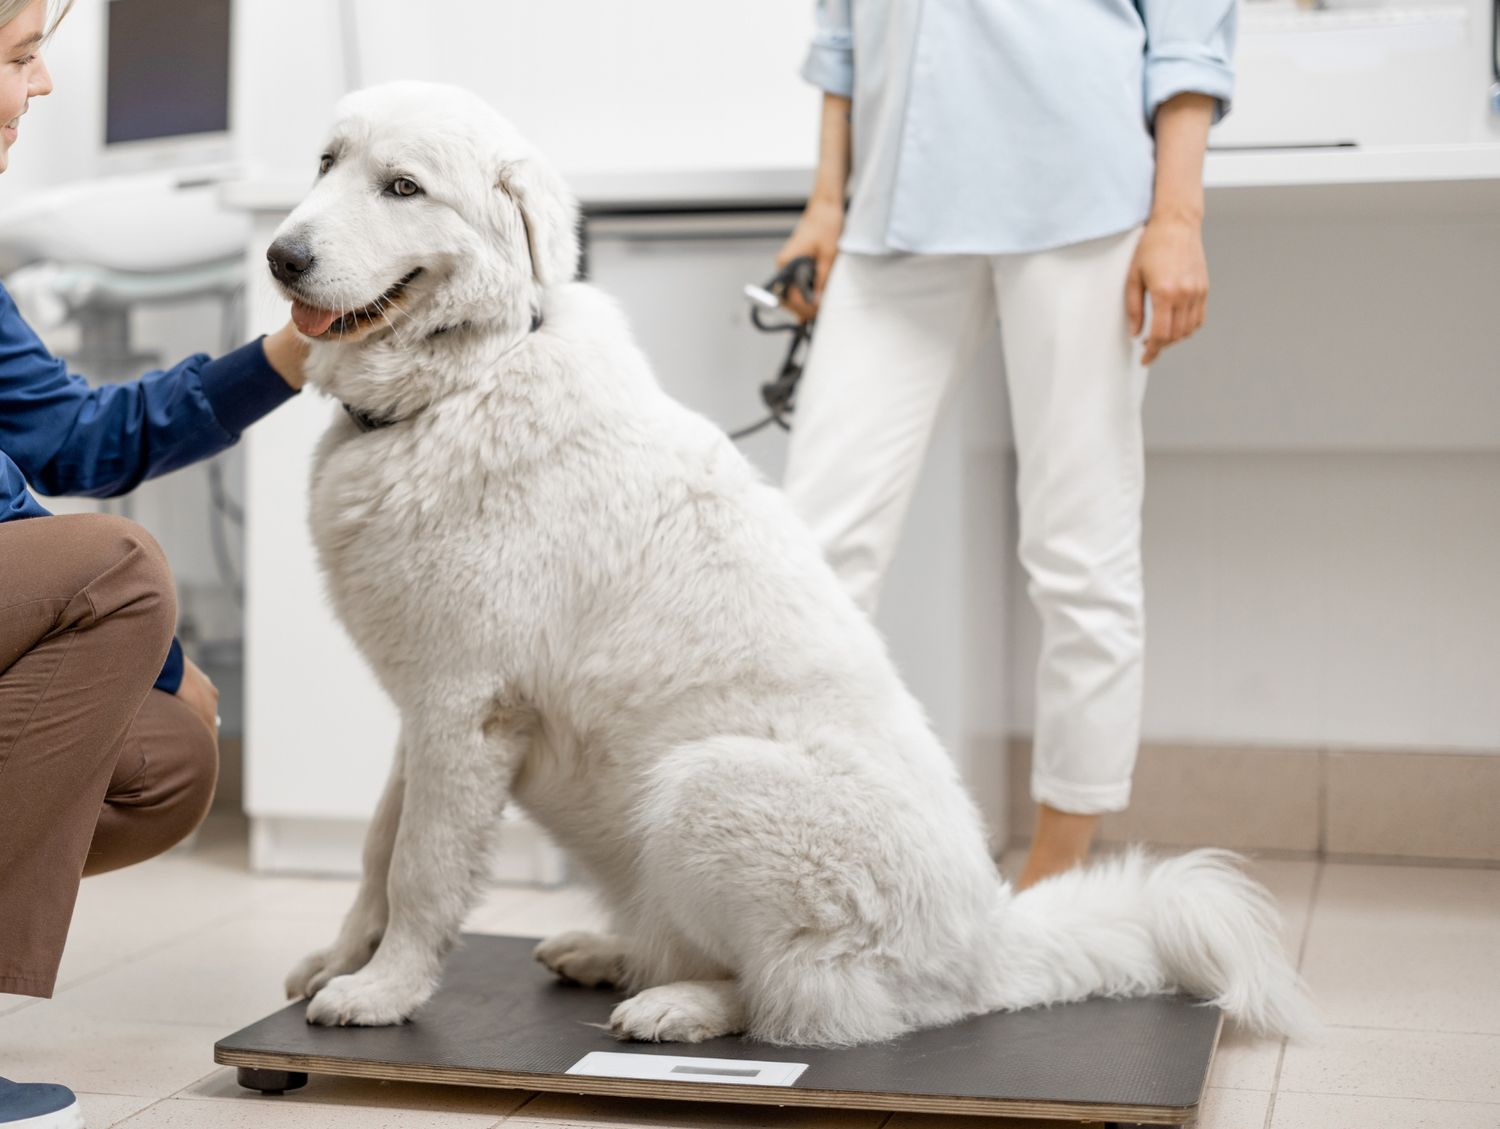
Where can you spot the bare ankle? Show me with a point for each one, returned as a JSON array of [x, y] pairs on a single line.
[[1061, 842]]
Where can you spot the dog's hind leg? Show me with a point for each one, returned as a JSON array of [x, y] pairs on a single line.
[[771, 861], [688, 1011], [458, 770], [591, 959], [365, 922]]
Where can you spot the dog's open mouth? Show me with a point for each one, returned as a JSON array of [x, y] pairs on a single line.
[[314, 321]]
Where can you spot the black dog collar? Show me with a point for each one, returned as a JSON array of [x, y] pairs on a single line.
[[367, 422]]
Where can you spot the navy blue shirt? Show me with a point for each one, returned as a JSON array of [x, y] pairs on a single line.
[[64, 437]]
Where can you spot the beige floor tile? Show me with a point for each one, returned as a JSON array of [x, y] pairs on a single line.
[[225, 976], [127, 913], [1397, 1064], [1335, 1111], [314, 899], [57, 1043], [1245, 1062], [1291, 882], [1406, 948], [368, 1093], [500, 903], [274, 1113], [560, 1111], [103, 1111], [541, 913], [10, 1003], [1233, 1109]]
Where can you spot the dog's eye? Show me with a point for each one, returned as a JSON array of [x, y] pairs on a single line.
[[404, 186], [325, 164]]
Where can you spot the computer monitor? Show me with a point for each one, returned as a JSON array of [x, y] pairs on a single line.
[[167, 83]]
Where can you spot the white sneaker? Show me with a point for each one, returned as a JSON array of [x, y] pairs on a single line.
[[38, 1105]]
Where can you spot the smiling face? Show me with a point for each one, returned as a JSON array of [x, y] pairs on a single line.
[[429, 211], [23, 74]]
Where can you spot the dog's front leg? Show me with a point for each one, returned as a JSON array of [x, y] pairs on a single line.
[[457, 778], [365, 922]]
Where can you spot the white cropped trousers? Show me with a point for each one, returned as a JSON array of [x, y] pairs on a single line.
[[893, 334]]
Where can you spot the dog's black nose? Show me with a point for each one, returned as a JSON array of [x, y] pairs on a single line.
[[290, 259]]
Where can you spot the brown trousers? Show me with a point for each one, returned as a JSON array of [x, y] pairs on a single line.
[[98, 770]]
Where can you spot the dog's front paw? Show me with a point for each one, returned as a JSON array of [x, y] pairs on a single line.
[[363, 1000], [317, 969], [687, 1012], [584, 958]]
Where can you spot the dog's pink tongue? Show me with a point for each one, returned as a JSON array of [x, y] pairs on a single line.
[[311, 320]]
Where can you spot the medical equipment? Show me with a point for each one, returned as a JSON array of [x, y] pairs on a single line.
[[780, 394], [166, 84]]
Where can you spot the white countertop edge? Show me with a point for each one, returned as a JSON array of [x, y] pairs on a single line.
[[787, 187]]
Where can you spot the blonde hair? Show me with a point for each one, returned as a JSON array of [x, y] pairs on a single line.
[[10, 9]]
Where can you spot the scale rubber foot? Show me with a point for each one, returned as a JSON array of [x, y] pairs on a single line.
[[270, 1081]]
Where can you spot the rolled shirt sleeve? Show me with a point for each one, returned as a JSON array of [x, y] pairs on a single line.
[[830, 58], [1189, 49]]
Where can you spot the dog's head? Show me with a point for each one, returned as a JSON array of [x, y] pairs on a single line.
[[430, 210]]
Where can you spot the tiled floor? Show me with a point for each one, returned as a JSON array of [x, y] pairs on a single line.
[[167, 957]]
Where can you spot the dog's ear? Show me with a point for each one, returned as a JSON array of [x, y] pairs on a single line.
[[550, 215]]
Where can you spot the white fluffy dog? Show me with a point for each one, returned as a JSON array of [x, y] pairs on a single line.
[[579, 595]]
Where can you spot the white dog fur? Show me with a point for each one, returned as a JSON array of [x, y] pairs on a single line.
[[579, 595]]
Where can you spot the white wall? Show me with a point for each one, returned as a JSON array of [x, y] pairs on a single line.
[[604, 85]]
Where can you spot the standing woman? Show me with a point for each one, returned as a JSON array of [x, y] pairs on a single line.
[[1040, 161], [108, 740]]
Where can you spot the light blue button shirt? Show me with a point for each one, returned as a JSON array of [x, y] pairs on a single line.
[[996, 126]]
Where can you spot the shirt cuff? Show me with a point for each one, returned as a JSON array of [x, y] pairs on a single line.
[[830, 65], [1169, 73], [242, 386], [170, 678]]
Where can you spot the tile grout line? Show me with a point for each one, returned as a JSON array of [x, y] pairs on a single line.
[[1312, 909], [517, 1111], [1391, 1097], [1414, 1030], [1312, 905], [129, 1117], [1322, 804]]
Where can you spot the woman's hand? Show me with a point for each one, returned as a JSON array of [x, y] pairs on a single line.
[[1170, 266], [200, 695], [816, 236]]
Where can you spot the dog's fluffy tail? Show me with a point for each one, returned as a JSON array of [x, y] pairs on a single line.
[[1132, 925]]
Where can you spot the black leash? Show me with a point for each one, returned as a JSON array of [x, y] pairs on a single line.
[[780, 394]]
